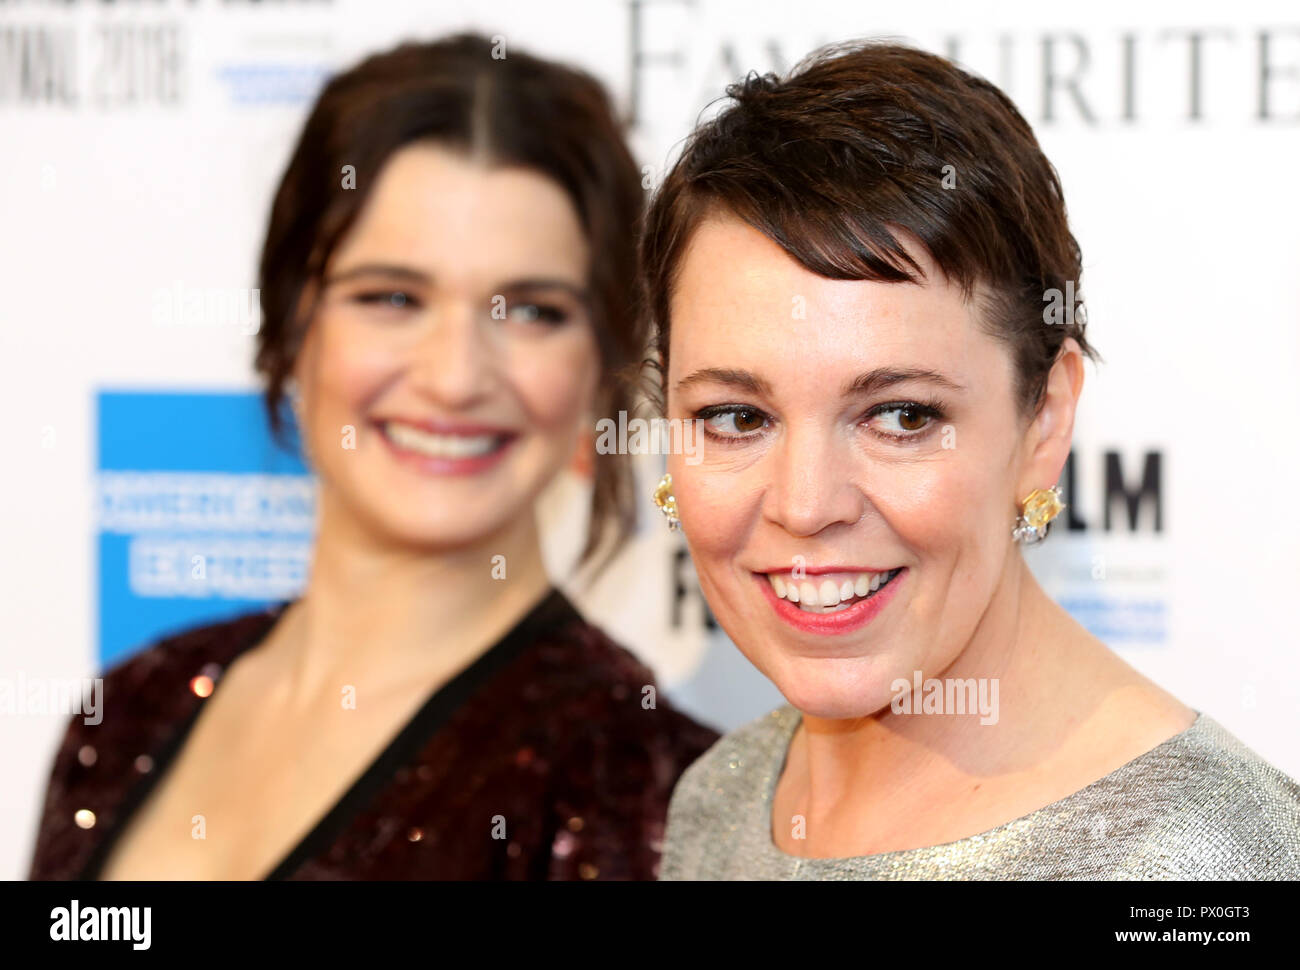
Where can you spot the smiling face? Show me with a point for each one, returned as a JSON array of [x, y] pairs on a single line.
[[852, 429], [453, 336]]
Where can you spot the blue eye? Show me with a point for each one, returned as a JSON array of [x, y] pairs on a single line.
[[396, 299], [547, 313]]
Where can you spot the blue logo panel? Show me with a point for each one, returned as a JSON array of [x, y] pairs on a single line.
[[200, 514]]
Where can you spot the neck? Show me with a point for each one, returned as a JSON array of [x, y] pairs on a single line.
[[384, 613]]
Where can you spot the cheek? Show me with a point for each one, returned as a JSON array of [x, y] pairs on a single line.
[[949, 515], [554, 382], [350, 368], [931, 505], [717, 511]]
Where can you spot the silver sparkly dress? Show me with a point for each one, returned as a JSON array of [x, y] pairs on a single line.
[[1201, 805]]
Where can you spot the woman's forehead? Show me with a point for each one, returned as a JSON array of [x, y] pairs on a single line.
[[449, 215], [743, 299]]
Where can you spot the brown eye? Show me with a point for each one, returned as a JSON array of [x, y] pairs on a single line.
[[732, 421], [911, 419], [904, 420]]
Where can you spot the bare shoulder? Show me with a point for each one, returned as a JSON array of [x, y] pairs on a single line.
[[1134, 718], [1127, 713], [1210, 807]]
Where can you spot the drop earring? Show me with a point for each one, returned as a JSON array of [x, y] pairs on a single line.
[[1037, 509], [666, 502]]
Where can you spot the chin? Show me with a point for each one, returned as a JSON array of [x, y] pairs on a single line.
[[445, 534], [835, 688], [439, 511], [419, 524]]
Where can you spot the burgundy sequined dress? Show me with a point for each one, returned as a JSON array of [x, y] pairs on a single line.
[[547, 728]]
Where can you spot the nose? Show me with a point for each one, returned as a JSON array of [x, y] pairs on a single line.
[[453, 362], [812, 482]]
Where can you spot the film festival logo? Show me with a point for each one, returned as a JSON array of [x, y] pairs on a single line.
[[656, 436]]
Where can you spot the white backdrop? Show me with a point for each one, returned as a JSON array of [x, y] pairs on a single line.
[[1175, 128]]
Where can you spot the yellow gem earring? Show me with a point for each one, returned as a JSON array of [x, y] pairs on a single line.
[[1037, 509], [666, 502]]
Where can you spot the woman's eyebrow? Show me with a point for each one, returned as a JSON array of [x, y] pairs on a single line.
[[870, 382], [395, 271], [741, 379], [575, 290], [387, 270], [883, 377]]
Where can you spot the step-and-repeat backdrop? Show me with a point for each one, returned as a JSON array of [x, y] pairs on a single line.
[[141, 142]]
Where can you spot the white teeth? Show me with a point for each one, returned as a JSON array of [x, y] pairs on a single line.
[[826, 596], [440, 445]]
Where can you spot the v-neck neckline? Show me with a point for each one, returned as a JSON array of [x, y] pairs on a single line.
[[553, 610]]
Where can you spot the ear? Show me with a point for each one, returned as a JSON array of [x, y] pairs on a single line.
[[1049, 434]]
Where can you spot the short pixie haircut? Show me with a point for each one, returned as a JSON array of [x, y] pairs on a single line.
[[859, 141], [516, 110]]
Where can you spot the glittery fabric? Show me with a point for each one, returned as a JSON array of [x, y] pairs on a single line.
[[1199, 806], [555, 741]]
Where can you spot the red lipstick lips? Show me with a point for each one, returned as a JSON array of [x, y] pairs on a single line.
[[858, 614]]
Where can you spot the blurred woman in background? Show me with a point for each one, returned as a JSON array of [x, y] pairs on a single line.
[[446, 285]]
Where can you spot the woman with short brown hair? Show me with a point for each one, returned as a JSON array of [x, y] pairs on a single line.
[[856, 274]]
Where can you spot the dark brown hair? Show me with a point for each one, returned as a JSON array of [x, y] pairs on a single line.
[[853, 145], [511, 110]]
